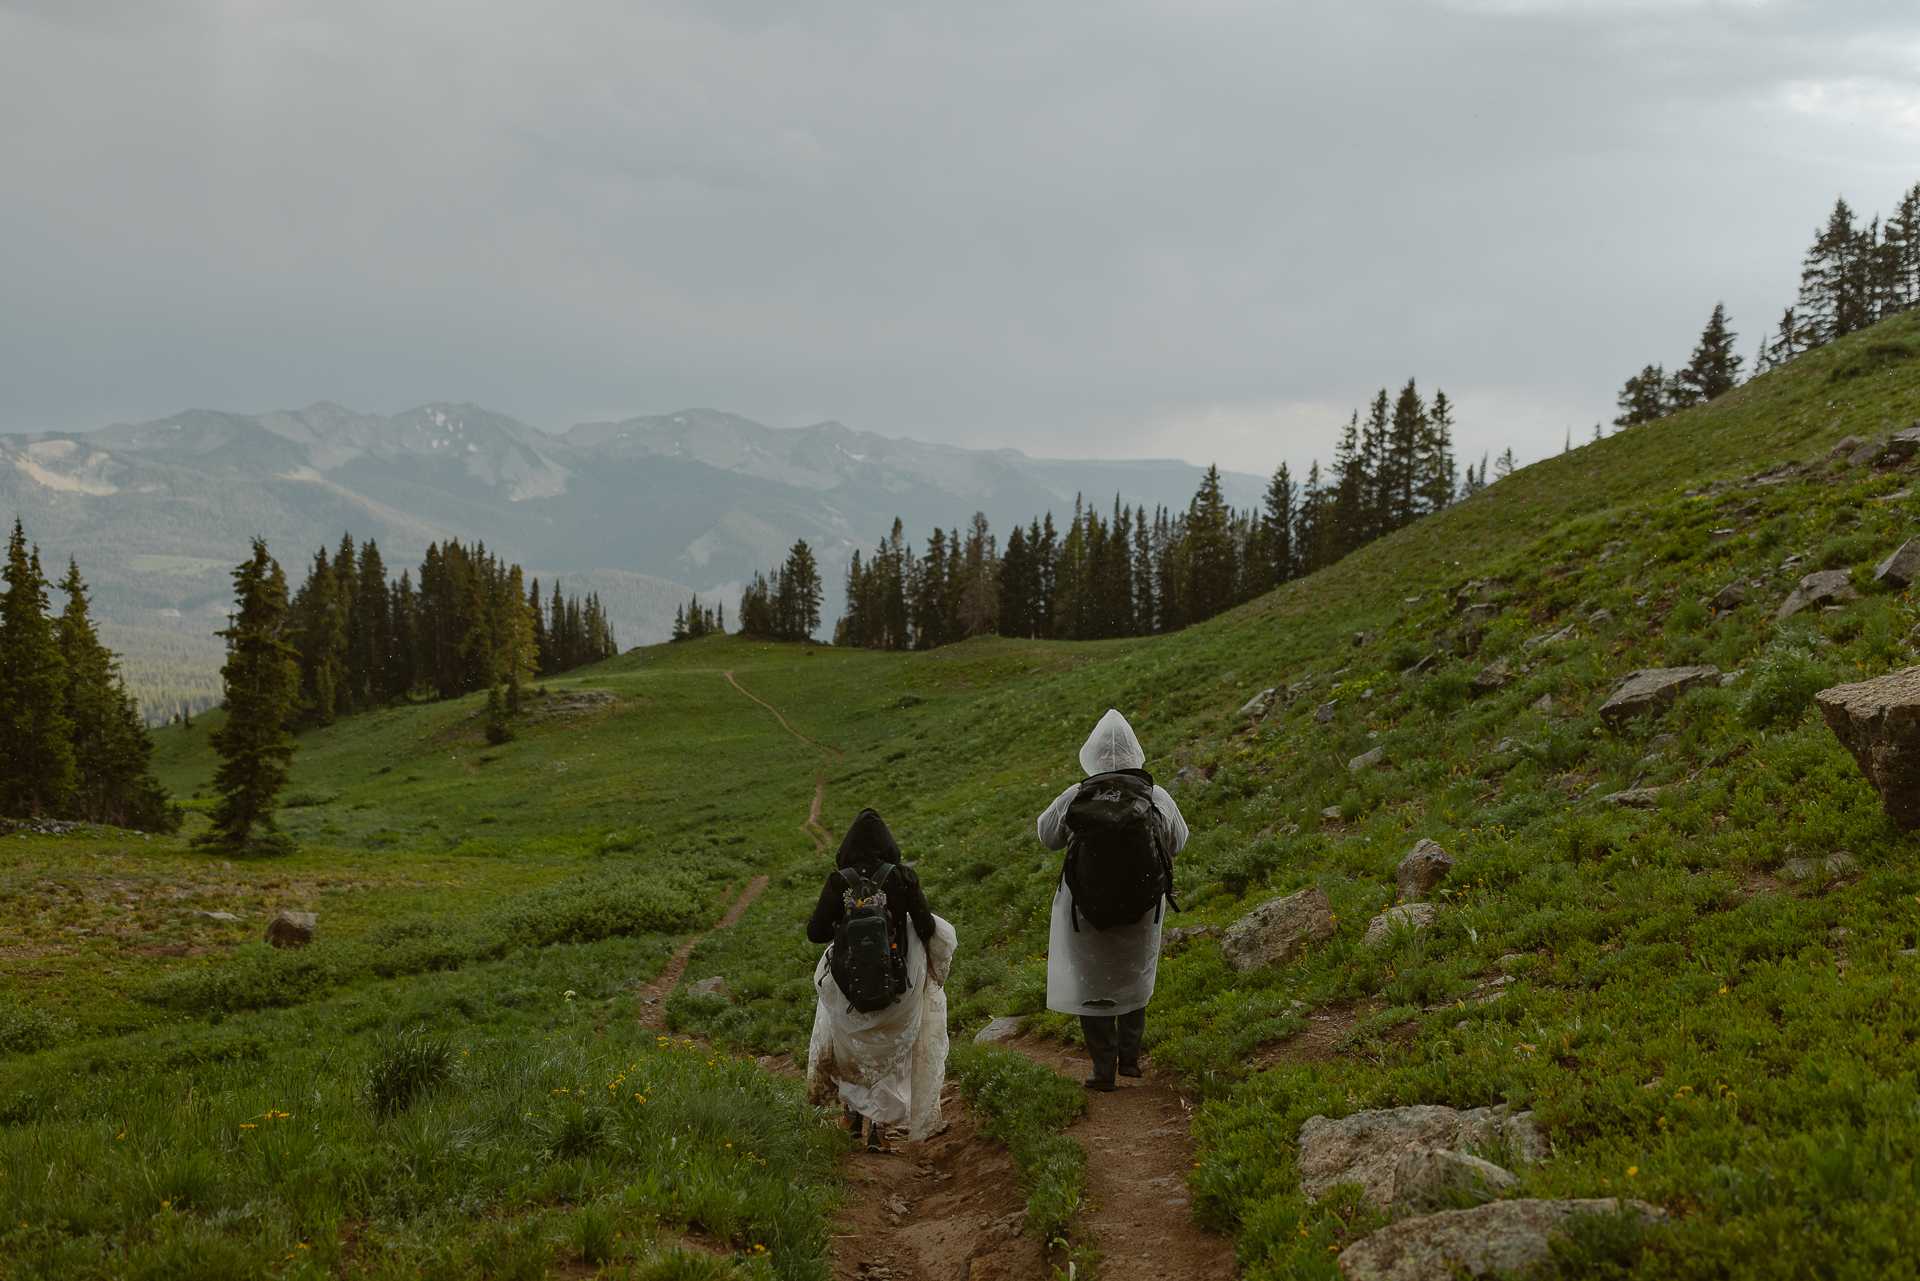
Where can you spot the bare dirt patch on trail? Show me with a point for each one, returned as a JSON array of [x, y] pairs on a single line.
[[943, 1209], [1139, 1145]]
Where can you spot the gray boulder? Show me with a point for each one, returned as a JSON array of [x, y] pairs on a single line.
[[1366, 760], [1822, 587], [1732, 596], [1278, 930], [218, 916], [1424, 867], [1366, 1147], [1508, 1238], [1637, 798], [1407, 916], [1324, 713], [1653, 690], [1257, 705], [1600, 616], [292, 929], [1900, 568], [1846, 448], [1491, 677], [715, 986], [1430, 1179], [1566, 633], [998, 1030], [1479, 615], [1542, 704], [1879, 722]]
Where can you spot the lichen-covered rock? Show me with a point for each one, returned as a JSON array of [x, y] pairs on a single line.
[[1879, 722], [1653, 690], [1429, 1179], [1277, 930], [1505, 1237], [292, 929], [1407, 916], [1424, 867], [1366, 1147], [1900, 568]]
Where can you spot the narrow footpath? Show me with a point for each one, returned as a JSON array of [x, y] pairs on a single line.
[[654, 992], [811, 827]]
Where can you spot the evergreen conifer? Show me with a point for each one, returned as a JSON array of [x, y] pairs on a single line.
[[262, 677], [36, 738]]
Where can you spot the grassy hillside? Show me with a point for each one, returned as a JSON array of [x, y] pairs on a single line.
[[1694, 1019]]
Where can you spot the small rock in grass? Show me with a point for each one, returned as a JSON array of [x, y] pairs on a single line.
[[1654, 690], [1838, 863], [1331, 812], [1879, 722], [1278, 930], [1638, 798], [1491, 677], [1257, 705], [292, 929], [715, 986], [1191, 774], [998, 1030], [218, 916], [1566, 633], [1424, 867], [1407, 916], [1900, 568], [1544, 703], [1847, 446], [1366, 1147], [1504, 745], [1600, 616], [1324, 713], [1732, 596], [1473, 614], [1659, 745], [1366, 760], [1181, 935], [1505, 1238]]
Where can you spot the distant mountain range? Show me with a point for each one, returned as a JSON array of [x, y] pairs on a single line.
[[645, 512]]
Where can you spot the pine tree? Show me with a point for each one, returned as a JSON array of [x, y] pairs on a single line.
[[1209, 558], [1405, 436], [1642, 400], [979, 596], [798, 606], [1714, 369], [1436, 463], [1898, 273], [1836, 278], [36, 738], [112, 751], [1277, 517], [262, 677], [1503, 466]]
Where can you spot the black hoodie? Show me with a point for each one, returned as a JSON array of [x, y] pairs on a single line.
[[866, 846]]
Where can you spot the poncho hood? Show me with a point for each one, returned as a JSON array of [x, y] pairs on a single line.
[[1111, 746], [868, 843]]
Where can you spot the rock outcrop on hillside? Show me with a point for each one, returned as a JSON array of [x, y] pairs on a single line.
[[1879, 722], [1822, 587], [292, 929], [1367, 1147], [1277, 930], [1507, 1238], [1407, 916], [1653, 690], [1901, 567]]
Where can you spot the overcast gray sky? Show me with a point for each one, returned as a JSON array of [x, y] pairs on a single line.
[[1198, 229]]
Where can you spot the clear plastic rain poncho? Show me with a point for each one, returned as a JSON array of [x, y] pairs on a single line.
[[1107, 971], [888, 1065]]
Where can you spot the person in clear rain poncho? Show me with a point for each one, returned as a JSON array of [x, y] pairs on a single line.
[[886, 1067], [1106, 975]]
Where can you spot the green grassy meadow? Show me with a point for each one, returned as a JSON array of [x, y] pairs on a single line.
[[1695, 1023]]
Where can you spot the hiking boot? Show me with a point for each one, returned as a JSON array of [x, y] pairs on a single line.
[[1103, 1084], [1129, 1069]]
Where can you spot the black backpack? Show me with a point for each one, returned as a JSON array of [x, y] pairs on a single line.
[[1116, 869], [862, 961]]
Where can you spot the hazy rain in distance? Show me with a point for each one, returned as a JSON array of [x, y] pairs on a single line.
[[1204, 230]]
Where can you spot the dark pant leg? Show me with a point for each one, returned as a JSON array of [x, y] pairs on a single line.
[[1132, 1027], [1103, 1043]]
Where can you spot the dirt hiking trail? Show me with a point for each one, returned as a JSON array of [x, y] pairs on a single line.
[[811, 827], [948, 1209]]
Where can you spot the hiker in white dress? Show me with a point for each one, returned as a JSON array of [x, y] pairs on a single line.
[[887, 1067], [1106, 975]]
